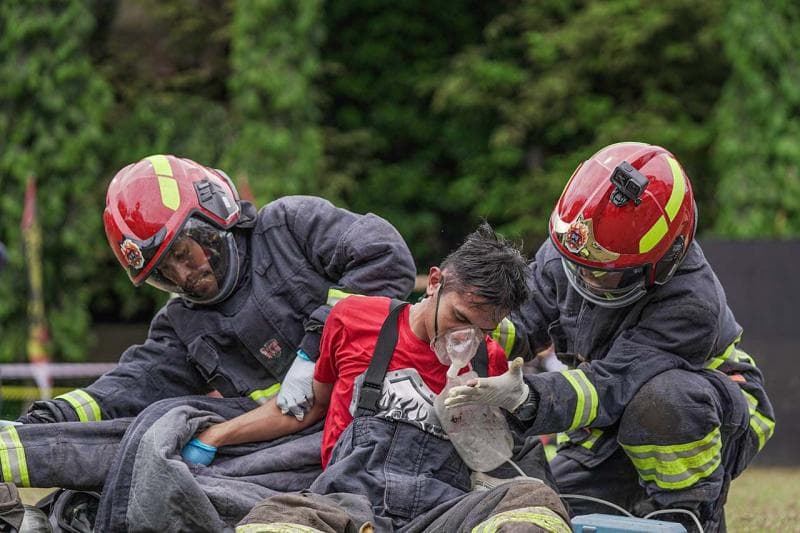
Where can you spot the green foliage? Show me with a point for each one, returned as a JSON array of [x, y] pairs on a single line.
[[167, 65], [757, 153], [554, 81], [274, 60], [386, 151], [52, 105], [431, 113]]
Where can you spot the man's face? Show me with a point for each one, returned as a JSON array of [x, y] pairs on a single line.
[[459, 308], [187, 266]]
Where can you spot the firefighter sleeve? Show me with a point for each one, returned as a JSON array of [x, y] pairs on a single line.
[[676, 332], [525, 332], [146, 373], [361, 254]]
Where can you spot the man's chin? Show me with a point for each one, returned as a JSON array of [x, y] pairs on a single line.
[[205, 290]]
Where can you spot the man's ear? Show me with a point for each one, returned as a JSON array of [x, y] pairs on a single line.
[[434, 279]]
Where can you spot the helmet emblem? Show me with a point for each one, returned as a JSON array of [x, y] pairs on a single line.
[[576, 236], [132, 253]]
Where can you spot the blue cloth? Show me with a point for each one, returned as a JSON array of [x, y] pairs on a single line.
[[198, 452]]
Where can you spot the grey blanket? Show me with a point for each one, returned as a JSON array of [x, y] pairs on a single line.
[[151, 488]]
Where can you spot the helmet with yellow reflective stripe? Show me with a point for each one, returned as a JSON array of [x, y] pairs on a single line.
[[167, 220], [624, 222]]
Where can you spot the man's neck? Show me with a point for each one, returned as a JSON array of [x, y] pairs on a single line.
[[416, 319]]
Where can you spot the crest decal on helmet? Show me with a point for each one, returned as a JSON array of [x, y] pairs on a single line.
[[574, 239], [133, 254], [578, 238]]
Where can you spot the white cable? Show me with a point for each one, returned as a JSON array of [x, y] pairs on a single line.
[[597, 500], [518, 469], [683, 511]]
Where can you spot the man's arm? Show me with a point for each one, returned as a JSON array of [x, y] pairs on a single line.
[[267, 422], [359, 253]]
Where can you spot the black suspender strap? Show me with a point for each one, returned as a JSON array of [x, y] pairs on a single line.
[[371, 388], [480, 363]]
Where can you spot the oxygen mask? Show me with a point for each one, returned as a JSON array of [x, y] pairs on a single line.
[[457, 347]]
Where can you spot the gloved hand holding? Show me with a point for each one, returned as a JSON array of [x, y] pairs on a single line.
[[296, 395], [198, 452], [508, 391]]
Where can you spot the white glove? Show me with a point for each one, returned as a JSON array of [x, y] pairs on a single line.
[[297, 390], [508, 391]]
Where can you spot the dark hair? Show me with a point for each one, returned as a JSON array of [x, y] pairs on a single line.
[[490, 267]]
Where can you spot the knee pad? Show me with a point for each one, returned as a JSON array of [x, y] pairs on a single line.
[[673, 407]]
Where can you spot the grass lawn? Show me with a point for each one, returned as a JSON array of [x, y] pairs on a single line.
[[764, 499], [760, 500]]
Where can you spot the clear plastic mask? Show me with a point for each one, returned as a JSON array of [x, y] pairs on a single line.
[[457, 346]]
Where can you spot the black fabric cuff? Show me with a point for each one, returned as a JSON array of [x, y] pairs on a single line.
[[310, 344], [49, 411], [527, 411]]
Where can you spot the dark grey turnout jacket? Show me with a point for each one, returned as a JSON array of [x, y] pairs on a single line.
[[299, 255]]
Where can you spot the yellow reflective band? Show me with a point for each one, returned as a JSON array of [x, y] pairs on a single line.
[[505, 335], [543, 517], [276, 527], [550, 451], [592, 439], [161, 165], [587, 402], [679, 466], [678, 189], [170, 196], [585, 437], [761, 425], [261, 396], [80, 400], [12, 458], [653, 235], [719, 360], [335, 295], [763, 428]]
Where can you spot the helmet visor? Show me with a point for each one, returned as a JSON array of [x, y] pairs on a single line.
[[606, 288], [201, 264]]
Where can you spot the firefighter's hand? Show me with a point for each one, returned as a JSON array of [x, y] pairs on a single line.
[[508, 391], [296, 396], [198, 452]]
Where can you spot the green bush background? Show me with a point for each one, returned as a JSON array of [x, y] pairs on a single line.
[[431, 113]]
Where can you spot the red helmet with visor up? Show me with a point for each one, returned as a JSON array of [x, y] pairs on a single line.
[[624, 222], [167, 219]]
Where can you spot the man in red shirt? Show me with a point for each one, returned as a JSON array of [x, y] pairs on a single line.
[[386, 457]]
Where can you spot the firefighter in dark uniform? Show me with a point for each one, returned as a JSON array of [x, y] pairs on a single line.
[[663, 408], [254, 288]]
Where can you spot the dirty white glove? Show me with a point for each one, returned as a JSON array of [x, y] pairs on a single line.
[[508, 391], [297, 389]]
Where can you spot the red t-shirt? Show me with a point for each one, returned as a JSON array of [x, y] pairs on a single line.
[[348, 342]]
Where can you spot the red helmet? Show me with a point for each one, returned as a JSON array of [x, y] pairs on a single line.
[[167, 219], [624, 222]]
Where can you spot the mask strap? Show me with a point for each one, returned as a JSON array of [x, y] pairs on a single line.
[[436, 311]]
